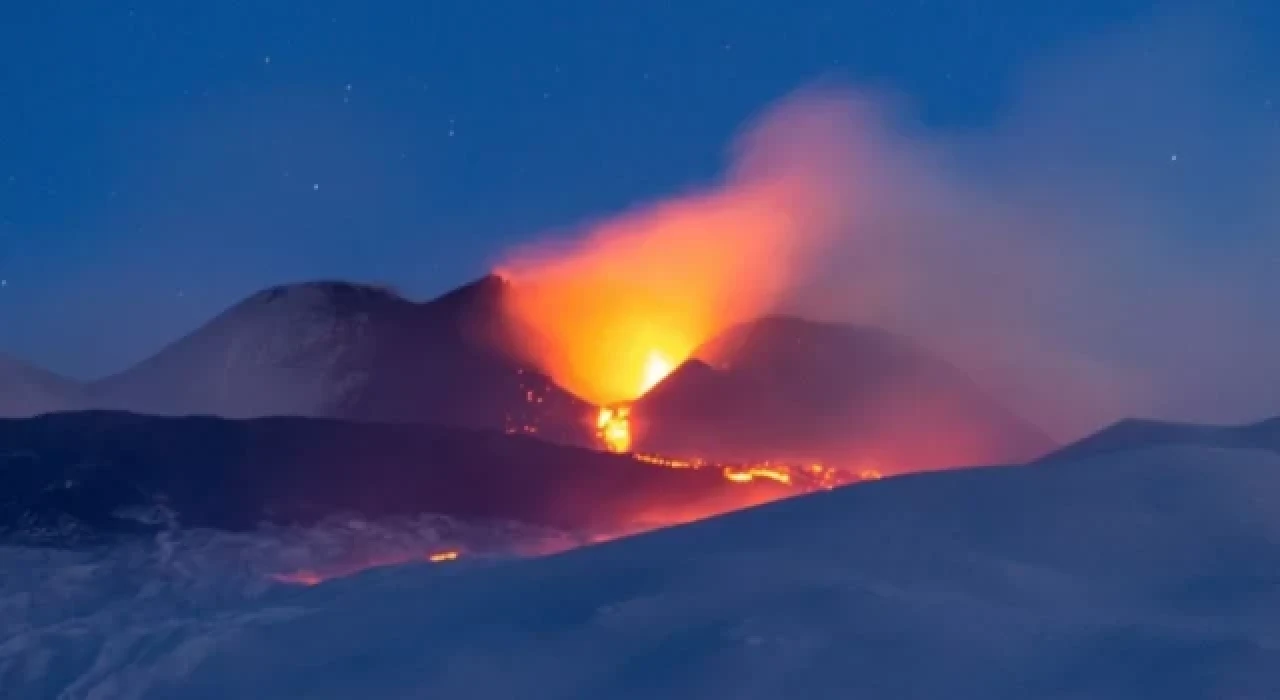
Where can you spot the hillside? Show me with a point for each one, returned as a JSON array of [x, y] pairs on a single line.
[[71, 478], [27, 391], [1149, 572], [783, 387], [340, 350]]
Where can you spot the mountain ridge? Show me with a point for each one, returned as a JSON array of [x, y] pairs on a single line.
[[791, 388], [776, 387]]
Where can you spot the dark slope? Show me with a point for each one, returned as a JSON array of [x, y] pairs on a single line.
[[28, 391], [1143, 434], [356, 352], [74, 476], [783, 387]]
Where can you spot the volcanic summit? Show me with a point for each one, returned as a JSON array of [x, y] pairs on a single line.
[[342, 350]]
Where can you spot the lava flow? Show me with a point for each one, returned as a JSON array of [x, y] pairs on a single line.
[[313, 577], [610, 313]]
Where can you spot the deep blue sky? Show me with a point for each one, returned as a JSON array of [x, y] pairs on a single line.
[[160, 159]]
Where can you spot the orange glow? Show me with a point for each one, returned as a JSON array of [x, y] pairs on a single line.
[[613, 428], [300, 578], [656, 368], [783, 480], [614, 308], [803, 478], [668, 462], [752, 473], [617, 306], [311, 577]]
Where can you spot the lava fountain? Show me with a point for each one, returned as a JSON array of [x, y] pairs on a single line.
[[618, 305], [613, 309]]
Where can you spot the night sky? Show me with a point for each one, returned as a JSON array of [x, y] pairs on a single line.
[[160, 160]]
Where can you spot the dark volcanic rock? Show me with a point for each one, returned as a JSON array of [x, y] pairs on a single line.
[[72, 476], [787, 388], [340, 350]]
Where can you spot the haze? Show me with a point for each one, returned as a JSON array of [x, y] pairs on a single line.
[[1105, 246], [1066, 257]]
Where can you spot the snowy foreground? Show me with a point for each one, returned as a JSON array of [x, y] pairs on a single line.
[[1147, 572]]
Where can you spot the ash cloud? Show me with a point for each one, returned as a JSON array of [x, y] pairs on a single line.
[[1106, 248]]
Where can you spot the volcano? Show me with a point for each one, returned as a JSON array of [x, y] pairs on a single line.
[[786, 388], [775, 388], [26, 390], [357, 352]]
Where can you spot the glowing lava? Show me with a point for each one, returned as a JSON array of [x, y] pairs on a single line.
[[310, 577], [619, 303], [803, 478], [749, 474], [613, 428], [656, 368]]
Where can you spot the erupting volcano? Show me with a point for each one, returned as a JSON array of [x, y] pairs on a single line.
[[632, 376], [663, 318]]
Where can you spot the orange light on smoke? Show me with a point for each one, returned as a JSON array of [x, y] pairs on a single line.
[[448, 555], [621, 304], [656, 368]]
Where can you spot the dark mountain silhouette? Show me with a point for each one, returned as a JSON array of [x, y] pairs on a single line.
[[28, 391], [1135, 434], [774, 388], [786, 388], [74, 477], [340, 350]]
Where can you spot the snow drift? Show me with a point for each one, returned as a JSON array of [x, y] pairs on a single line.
[[1147, 571]]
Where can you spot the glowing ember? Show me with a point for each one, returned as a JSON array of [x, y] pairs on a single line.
[[668, 462], [804, 478], [613, 427], [749, 474], [309, 577], [656, 368]]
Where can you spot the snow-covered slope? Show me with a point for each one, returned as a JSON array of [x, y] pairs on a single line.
[[342, 350], [29, 391], [1148, 572], [1131, 434], [76, 477]]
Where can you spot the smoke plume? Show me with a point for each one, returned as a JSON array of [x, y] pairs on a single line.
[[1106, 248]]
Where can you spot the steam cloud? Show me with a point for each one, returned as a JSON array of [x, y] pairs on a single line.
[[1107, 249]]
